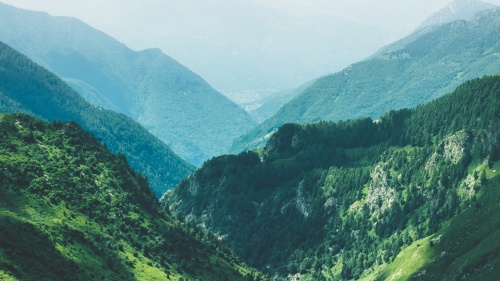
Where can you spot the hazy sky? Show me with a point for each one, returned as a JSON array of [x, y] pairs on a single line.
[[126, 19], [218, 38]]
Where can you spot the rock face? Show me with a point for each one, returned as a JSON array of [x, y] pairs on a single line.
[[302, 202], [454, 146], [380, 194]]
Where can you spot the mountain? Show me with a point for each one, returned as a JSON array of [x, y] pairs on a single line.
[[457, 10], [71, 210], [340, 201], [246, 48], [29, 88], [443, 56], [173, 103]]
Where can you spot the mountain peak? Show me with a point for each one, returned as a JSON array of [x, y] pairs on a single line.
[[457, 10]]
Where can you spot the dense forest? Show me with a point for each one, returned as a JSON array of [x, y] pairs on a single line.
[[27, 87], [340, 201], [71, 210]]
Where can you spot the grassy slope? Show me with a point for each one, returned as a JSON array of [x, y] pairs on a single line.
[[70, 210], [37, 242]]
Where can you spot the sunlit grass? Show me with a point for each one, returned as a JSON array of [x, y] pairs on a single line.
[[409, 261], [7, 277]]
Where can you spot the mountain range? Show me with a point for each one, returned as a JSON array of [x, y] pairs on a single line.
[[254, 47], [360, 199], [387, 170], [173, 103], [442, 55], [27, 87]]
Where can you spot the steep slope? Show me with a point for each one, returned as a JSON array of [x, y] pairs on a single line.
[[173, 103], [71, 210], [341, 200], [443, 56], [27, 87]]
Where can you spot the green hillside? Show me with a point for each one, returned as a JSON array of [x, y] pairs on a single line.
[[71, 210], [466, 246], [27, 87], [173, 103], [425, 65], [340, 201]]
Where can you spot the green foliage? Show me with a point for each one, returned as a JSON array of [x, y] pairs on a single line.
[[415, 70], [341, 200], [34, 89], [71, 210]]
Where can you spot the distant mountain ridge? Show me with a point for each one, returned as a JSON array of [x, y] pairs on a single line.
[[172, 102], [27, 87], [457, 10], [444, 56]]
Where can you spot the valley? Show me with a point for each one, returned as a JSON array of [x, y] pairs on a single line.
[[125, 164]]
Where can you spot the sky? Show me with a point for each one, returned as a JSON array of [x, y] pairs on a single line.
[[239, 44]]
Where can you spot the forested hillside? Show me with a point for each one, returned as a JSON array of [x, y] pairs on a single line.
[[169, 100], [425, 65], [71, 210], [340, 201], [27, 87]]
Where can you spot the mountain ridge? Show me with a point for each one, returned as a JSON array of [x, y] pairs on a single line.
[[168, 99], [443, 55], [457, 10], [27, 87]]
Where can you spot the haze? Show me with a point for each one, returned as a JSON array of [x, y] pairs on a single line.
[[248, 49]]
